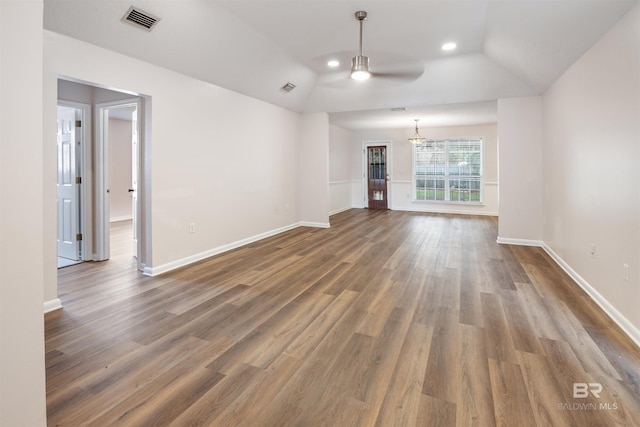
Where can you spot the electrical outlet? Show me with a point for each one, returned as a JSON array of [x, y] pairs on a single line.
[[593, 250], [625, 272], [192, 227]]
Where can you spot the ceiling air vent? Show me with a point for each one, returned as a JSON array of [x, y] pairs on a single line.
[[140, 18], [288, 87]]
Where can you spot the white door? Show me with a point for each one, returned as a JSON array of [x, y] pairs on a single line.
[[67, 139], [134, 178]]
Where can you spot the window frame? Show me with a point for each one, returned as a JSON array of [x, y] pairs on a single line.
[[447, 177]]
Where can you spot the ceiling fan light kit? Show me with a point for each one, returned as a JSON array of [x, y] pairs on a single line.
[[360, 67]]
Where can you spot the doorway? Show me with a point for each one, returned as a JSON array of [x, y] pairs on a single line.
[[97, 104], [376, 177], [117, 177], [123, 186]]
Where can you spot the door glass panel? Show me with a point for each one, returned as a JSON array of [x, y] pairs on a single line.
[[377, 177]]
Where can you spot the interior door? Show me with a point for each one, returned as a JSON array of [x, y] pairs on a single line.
[[68, 239], [134, 178], [377, 177]]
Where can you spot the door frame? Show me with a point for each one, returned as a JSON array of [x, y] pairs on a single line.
[[83, 170], [102, 246], [365, 170]]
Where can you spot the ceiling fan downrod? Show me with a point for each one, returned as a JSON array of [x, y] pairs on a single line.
[[361, 15]]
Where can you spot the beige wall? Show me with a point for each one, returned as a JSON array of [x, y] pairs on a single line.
[[22, 372], [591, 128]]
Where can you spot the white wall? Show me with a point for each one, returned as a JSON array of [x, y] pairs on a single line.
[[521, 172], [340, 181], [120, 207], [313, 169], [223, 161], [401, 167], [591, 129], [22, 372]]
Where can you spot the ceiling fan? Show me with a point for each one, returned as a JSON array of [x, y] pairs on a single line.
[[360, 64]]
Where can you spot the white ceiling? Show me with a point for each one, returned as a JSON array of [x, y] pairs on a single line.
[[505, 48]]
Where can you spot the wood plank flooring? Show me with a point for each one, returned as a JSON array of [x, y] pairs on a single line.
[[385, 319]]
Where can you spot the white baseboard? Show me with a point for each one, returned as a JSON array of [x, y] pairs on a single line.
[[121, 218], [337, 211], [164, 268], [606, 306], [519, 242], [313, 224], [52, 305]]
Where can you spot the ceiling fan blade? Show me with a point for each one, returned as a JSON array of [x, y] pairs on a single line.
[[407, 76], [401, 72], [406, 70]]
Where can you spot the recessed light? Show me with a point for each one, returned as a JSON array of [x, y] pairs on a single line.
[[449, 46], [333, 63]]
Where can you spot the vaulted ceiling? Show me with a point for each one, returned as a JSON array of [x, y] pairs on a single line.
[[504, 49]]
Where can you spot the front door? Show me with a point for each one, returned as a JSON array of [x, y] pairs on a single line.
[[67, 140], [377, 177]]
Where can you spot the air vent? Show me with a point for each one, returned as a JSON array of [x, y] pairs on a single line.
[[288, 87], [140, 18]]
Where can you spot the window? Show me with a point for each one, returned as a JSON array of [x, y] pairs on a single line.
[[448, 170]]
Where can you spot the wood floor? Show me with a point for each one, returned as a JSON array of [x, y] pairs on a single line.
[[385, 319]]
